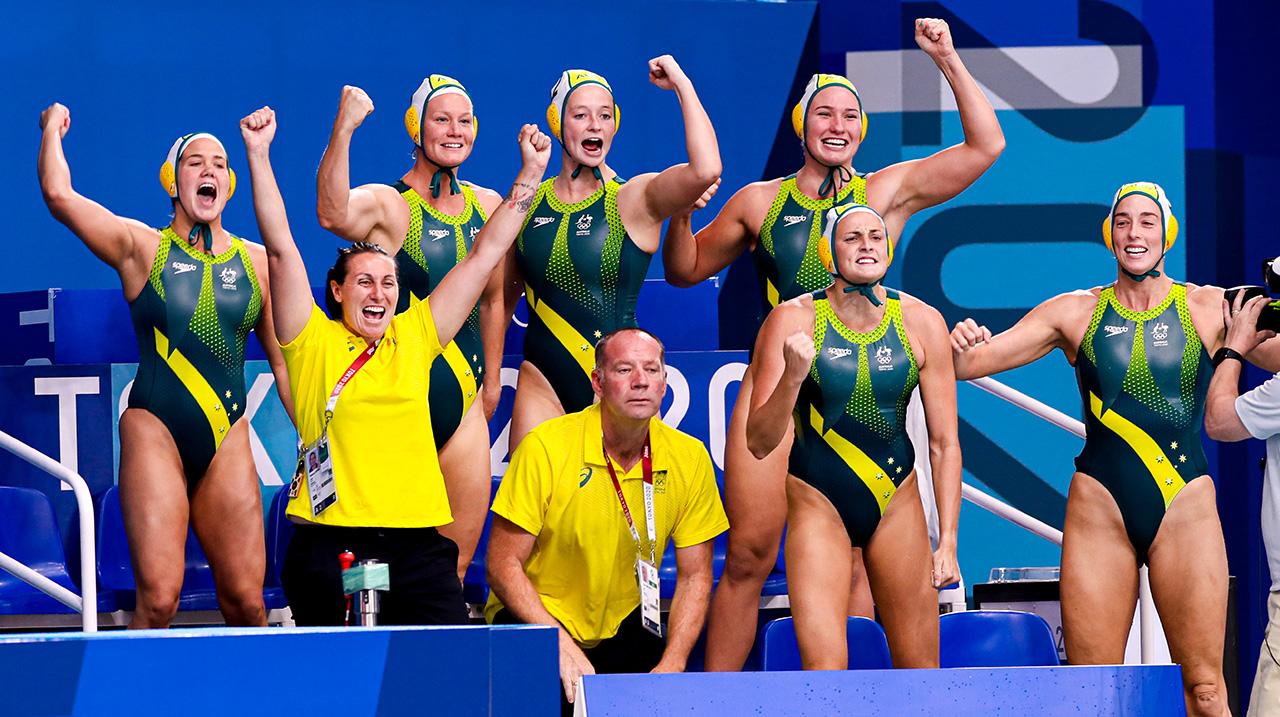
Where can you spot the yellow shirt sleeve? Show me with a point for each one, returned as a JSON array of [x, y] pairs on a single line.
[[525, 492], [420, 314], [702, 517], [308, 333]]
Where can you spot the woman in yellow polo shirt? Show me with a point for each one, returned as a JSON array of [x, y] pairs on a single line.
[[359, 379]]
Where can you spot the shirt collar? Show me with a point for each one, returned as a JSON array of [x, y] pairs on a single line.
[[593, 445]]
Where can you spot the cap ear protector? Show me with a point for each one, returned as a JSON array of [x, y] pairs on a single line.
[[169, 170], [827, 247], [817, 83], [1155, 193], [569, 81], [433, 86]]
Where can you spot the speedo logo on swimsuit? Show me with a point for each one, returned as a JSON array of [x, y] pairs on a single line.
[[437, 233], [542, 221], [884, 357], [180, 267], [584, 225], [836, 353], [1115, 330], [794, 219]]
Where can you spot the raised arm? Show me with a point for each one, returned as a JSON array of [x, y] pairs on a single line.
[[1221, 421], [112, 239], [977, 353], [676, 188], [353, 214], [914, 185], [459, 290], [786, 353], [938, 395], [291, 299], [689, 259]]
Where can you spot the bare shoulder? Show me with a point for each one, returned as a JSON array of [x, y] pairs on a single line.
[[1205, 295], [916, 312], [489, 199], [384, 193], [790, 314]]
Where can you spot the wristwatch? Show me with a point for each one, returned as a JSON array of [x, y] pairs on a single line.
[[1225, 353]]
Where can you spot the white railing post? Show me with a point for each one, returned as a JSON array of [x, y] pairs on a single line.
[[88, 550]]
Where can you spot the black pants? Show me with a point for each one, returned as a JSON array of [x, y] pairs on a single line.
[[423, 565], [634, 649]]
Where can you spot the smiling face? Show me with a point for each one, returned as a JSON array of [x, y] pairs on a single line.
[[861, 248], [368, 294], [448, 129], [1137, 234], [833, 126], [204, 181], [630, 377], [588, 125]]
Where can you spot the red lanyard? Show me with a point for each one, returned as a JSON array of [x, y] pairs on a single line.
[[356, 365], [646, 462]]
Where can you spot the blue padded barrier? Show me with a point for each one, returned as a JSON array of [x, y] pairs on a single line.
[[868, 648], [996, 638], [1113, 691], [475, 586]]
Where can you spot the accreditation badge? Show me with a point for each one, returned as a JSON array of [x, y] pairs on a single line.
[[650, 596], [318, 464]]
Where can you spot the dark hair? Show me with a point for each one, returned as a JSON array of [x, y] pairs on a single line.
[[338, 272], [603, 343]]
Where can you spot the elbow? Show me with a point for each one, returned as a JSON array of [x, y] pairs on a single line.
[[707, 171], [1215, 425], [759, 447], [330, 220], [56, 198]]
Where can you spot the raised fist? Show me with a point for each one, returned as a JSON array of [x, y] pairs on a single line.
[[353, 107], [258, 129], [967, 334], [56, 115], [934, 37], [535, 148], [798, 353], [665, 72]]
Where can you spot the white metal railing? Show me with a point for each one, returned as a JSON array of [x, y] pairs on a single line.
[[86, 603], [1146, 606]]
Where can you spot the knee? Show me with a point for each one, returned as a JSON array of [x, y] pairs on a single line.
[[156, 606], [1206, 697], [242, 606], [749, 561]]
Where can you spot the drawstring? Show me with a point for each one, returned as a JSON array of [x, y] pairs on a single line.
[[830, 182], [867, 290], [201, 232], [595, 172], [453, 182]]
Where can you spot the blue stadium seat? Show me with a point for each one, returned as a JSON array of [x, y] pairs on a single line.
[[29, 534], [868, 648], [115, 572], [667, 571], [996, 638], [279, 532]]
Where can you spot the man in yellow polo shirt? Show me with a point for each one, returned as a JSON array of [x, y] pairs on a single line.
[[565, 547]]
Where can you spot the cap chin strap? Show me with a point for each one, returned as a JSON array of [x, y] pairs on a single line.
[[200, 231], [442, 172], [1152, 273], [868, 290], [595, 172]]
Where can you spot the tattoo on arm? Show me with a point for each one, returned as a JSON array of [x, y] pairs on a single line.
[[521, 196]]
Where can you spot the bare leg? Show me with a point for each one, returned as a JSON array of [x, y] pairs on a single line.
[[465, 463], [1099, 576], [226, 512], [535, 402], [1189, 584], [153, 499], [818, 576], [900, 569], [756, 501], [861, 604]]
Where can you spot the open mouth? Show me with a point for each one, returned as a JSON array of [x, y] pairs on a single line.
[[374, 313], [1135, 250], [208, 192], [835, 143], [593, 144], [867, 260], [452, 145]]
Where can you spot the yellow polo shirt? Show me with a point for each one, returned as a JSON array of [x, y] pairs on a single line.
[[583, 561], [385, 465]]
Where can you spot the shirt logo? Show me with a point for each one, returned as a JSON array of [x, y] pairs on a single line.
[[836, 353], [660, 482], [1115, 330], [584, 225], [884, 356], [229, 278], [1160, 333], [585, 476], [437, 233], [182, 267], [791, 220], [542, 221]]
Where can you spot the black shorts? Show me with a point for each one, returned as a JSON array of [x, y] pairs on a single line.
[[633, 650], [424, 575]]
